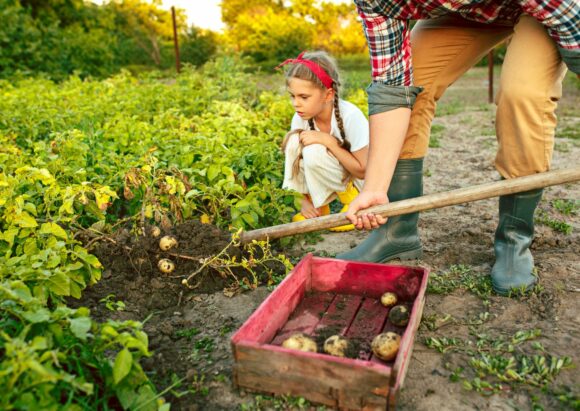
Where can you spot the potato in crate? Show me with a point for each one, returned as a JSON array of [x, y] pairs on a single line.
[[313, 336]]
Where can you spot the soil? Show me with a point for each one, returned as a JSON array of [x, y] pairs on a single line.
[[189, 330]]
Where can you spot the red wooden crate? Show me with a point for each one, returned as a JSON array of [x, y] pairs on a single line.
[[339, 296]]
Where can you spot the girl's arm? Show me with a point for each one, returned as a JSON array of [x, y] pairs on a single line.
[[355, 163], [387, 134]]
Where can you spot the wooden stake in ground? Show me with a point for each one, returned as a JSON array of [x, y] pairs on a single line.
[[428, 202]]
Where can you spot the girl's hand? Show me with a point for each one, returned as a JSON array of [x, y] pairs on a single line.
[[364, 200], [308, 210], [309, 137]]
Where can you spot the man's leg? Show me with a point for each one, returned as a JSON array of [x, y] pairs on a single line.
[[442, 50], [530, 87]]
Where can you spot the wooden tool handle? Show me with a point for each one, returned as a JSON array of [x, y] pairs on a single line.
[[428, 202]]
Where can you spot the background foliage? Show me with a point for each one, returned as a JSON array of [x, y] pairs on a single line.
[[59, 38]]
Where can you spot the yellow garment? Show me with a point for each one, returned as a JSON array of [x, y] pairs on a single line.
[[346, 198], [324, 210]]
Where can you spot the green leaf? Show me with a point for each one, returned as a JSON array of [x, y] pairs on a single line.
[[25, 220], [80, 326], [59, 283], [146, 398], [243, 204], [54, 229], [122, 366], [9, 236], [38, 316], [249, 219], [212, 172]]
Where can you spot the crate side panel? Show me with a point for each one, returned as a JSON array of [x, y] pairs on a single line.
[[367, 279], [341, 384], [274, 311], [402, 363], [403, 360], [306, 316]]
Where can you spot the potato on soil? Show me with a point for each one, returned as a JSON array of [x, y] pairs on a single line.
[[167, 242], [166, 266], [155, 231], [399, 315], [389, 299], [386, 345], [336, 345], [300, 342]]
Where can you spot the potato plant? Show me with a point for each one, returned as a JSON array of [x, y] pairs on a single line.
[[86, 153]]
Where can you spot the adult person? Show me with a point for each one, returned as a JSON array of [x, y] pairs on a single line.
[[412, 69]]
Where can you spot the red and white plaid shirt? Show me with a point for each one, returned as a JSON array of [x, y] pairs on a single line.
[[386, 24]]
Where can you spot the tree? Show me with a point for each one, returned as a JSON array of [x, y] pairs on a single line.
[[270, 35], [274, 30], [198, 46], [146, 24], [233, 9]]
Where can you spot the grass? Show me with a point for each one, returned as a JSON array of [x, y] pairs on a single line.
[[570, 132], [556, 224], [436, 132], [449, 108], [284, 402], [496, 363], [460, 277], [566, 207], [188, 333]]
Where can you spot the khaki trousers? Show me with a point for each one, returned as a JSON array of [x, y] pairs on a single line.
[[530, 86]]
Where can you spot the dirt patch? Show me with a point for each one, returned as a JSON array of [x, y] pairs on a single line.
[[188, 329]]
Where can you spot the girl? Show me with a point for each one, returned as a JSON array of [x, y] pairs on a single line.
[[326, 149]]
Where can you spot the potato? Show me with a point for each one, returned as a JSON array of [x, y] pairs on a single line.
[[399, 315], [386, 345], [389, 299], [155, 231], [300, 342], [336, 345], [166, 266], [167, 242]]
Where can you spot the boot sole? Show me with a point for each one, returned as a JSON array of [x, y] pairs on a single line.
[[405, 255]]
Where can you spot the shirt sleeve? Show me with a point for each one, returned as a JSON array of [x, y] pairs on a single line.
[[356, 128], [562, 21], [389, 45], [297, 122]]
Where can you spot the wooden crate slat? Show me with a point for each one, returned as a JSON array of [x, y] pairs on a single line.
[[372, 280], [368, 323], [306, 316], [349, 384], [273, 313], [339, 315]]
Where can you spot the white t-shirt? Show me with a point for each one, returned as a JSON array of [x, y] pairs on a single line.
[[356, 126]]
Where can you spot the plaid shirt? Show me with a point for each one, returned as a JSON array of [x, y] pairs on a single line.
[[386, 24]]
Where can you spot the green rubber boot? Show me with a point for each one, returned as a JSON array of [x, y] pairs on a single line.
[[399, 237], [513, 260]]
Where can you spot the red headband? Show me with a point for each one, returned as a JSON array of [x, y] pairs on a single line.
[[315, 68]]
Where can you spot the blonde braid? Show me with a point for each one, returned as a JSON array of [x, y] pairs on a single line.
[[345, 143]]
